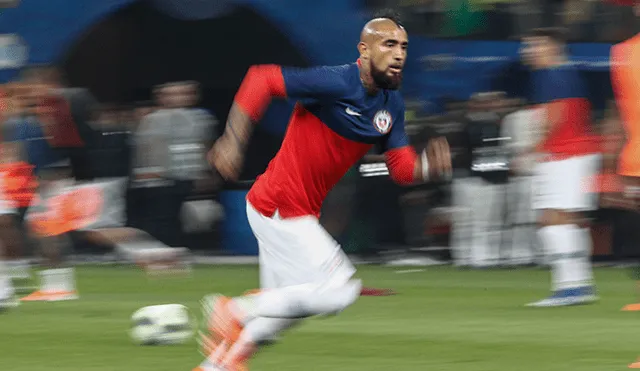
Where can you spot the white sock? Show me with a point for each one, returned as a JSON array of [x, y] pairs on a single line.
[[300, 301], [6, 286], [553, 240], [565, 246], [583, 272], [58, 280], [19, 269]]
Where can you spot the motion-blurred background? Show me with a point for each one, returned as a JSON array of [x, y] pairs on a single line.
[[126, 97], [138, 57]]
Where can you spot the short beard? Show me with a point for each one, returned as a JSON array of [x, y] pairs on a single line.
[[383, 81]]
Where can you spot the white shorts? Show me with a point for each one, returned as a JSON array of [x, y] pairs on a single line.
[[296, 251], [566, 184]]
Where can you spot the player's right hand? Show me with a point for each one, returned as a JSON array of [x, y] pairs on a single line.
[[439, 157], [226, 157]]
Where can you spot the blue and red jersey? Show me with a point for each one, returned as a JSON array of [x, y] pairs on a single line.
[[562, 90], [334, 124]]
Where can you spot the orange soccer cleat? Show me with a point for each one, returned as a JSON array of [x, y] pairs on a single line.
[[635, 364], [51, 296], [222, 323], [223, 328], [631, 308]]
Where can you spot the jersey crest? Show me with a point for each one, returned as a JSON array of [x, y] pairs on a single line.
[[382, 121]]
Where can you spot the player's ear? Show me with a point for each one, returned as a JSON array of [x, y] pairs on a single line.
[[363, 49]]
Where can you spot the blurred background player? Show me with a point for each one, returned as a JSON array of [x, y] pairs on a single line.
[[569, 158], [342, 112], [8, 233], [18, 189], [170, 160], [489, 174], [45, 128], [625, 79], [519, 127]]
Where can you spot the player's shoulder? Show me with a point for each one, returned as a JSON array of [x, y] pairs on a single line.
[[152, 121], [336, 78], [564, 81], [155, 115], [571, 79], [563, 73], [341, 77], [342, 70]]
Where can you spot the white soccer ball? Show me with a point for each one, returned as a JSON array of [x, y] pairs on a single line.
[[167, 324]]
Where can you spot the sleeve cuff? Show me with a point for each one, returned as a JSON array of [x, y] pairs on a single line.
[[425, 165]]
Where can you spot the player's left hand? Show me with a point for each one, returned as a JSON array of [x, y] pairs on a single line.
[[439, 157]]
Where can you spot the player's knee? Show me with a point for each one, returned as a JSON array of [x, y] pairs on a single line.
[[265, 331], [341, 293]]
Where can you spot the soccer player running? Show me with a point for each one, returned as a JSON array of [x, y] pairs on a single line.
[[569, 159], [341, 113]]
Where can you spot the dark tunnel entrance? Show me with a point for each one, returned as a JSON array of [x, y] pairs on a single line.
[[122, 57]]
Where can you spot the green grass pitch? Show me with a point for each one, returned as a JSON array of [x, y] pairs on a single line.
[[442, 320]]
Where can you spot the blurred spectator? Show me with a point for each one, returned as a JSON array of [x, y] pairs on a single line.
[[499, 17], [169, 161], [586, 20], [111, 150], [141, 110], [612, 21], [517, 126], [479, 199], [463, 19]]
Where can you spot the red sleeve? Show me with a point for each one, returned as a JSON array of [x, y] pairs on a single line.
[[401, 163], [260, 84]]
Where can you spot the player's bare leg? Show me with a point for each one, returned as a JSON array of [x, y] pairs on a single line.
[[10, 251], [568, 243], [7, 292], [16, 180], [17, 261], [57, 279]]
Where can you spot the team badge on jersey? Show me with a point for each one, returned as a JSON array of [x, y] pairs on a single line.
[[382, 121]]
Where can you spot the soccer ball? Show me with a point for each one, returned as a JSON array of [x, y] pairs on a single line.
[[167, 324]]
